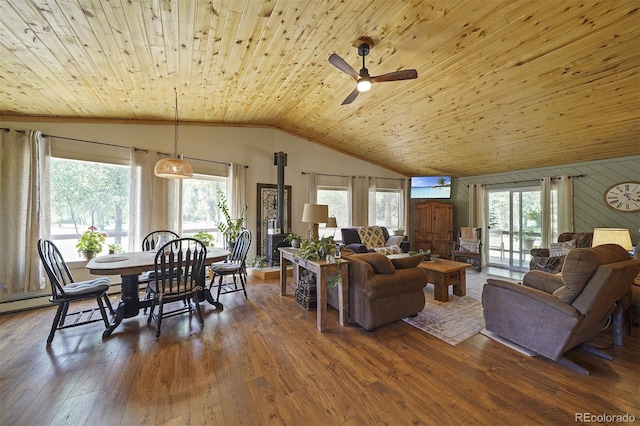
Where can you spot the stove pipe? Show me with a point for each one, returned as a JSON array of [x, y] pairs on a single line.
[[280, 160]]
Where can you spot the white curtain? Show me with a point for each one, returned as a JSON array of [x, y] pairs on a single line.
[[312, 187], [564, 186], [154, 203], [238, 190], [407, 192], [24, 209], [359, 201], [372, 201], [477, 215], [545, 211]]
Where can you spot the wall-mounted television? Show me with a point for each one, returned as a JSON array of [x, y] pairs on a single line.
[[431, 187]]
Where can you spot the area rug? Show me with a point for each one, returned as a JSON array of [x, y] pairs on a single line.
[[456, 320]]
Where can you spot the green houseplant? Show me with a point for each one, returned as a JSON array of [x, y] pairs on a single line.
[[90, 242], [113, 248], [257, 262], [229, 227], [426, 254], [527, 238], [205, 238], [317, 249], [293, 239]]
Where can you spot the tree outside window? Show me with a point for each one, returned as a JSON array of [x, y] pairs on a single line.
[[87, 193]]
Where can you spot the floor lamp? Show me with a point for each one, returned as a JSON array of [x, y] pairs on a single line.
[[314, 214]]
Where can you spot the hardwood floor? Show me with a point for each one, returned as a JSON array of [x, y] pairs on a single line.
[[262, 361]]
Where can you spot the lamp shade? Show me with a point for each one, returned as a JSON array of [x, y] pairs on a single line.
[[331, 222], [618, 236], [173, 168], [315, 213]]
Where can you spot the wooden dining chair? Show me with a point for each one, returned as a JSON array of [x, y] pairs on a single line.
[[186, 255], [64, 291], [149, 242], [235, 266]]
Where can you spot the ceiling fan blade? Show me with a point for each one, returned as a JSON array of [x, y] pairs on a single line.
[[352, 97], [343, 66], [395, 76]]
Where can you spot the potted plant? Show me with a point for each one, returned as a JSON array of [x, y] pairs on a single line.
[[90, 242], [527, 238], [399, 231], [205, 238], [293, 239], [257, 262], [427, 255], [114, 248], [230, 228], [317, 249]]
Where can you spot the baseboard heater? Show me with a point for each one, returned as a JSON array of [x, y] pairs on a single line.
[[40, 301]]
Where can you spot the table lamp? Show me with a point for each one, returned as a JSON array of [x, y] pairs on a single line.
[[332, 223], [314, 214], [618, 236]]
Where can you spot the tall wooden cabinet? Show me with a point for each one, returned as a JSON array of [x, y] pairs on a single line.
[[434, 227]]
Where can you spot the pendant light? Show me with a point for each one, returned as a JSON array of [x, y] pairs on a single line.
[[174, 167]]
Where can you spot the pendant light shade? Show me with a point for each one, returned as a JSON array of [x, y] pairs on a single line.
[[174, 167]]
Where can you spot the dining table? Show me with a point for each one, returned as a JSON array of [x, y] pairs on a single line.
[[130, 266]]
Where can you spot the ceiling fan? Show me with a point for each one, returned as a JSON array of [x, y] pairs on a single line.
[[363, 80]]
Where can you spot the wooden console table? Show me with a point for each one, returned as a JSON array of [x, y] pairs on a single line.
[[322, 269]]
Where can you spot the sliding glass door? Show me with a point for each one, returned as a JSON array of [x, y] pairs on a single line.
[[514, 226]]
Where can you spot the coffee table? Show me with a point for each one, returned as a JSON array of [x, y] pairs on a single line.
[[442, 273]]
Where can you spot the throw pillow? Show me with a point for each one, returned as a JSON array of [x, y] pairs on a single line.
[[371, 236], [387, 250], [407, 261], [469, 245], [394, 240], [561, 249], [379, 262]]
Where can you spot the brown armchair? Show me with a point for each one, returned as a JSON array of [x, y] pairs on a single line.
[[383, 290], [541, 260], [550, 314]]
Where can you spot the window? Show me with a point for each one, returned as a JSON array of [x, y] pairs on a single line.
[[87, 193], [388, 208], [336, 197], [386, 203], [200, 205]]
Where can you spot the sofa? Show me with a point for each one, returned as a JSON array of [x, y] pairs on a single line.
[[551, 259], [550, 314], [365, 239], [383, 290]]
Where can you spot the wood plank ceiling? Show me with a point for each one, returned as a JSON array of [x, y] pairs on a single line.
[[502, 85]]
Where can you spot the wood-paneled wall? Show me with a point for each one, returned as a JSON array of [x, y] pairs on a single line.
[[589, 209]]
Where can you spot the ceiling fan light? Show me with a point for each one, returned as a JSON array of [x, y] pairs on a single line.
[[364, 84], [175, 168]]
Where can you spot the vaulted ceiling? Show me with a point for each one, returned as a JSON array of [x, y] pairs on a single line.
[[502, 85]]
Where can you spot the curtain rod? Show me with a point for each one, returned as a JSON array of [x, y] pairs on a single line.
[[530, 180], [123, 146], [326, 174]]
